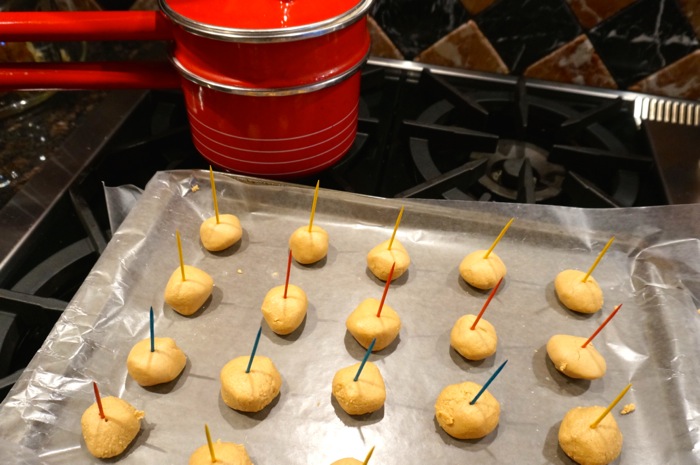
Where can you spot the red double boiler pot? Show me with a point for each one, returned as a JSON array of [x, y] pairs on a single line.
[[271, 87]]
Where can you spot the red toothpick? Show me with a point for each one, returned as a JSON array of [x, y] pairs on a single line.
[[99, 400], [600, 328], [386, 289], [486, 304], [289, 268]]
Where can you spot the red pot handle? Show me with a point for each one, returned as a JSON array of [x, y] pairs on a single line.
[[83, 76], [52, 26]]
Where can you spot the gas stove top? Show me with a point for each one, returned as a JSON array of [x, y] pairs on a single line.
[[423, 132]]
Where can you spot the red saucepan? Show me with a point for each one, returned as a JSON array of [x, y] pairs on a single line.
[[271, 86]]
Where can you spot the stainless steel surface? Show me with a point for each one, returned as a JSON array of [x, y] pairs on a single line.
[[653, 268], [230, 34]]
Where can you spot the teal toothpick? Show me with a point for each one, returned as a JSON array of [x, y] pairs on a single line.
[[493, 376], [255, 348], [364, 359], [153, 333]]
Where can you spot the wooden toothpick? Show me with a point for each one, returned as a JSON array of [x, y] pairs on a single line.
[[396, 227], [500, 236], [597, 260], [611, 406], [369, 455], [313, 206], [179, 251], [213, 194], [209, 443]]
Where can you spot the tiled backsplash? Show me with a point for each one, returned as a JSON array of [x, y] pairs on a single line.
[[643, 45]]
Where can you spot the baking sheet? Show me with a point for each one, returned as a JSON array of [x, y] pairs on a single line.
[[653, 268]]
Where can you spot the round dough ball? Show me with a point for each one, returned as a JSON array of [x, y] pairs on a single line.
[[461, 420], [249, 392], [347, 462], [575, 294], [474, 344], [309, 247], [480, 272], [586, 445], [110, 436], [365, 395], [222, 235], [380, 259], [186, 297], [227, 453], [575, 362], [161, 366], [284, 315], [364, 325]]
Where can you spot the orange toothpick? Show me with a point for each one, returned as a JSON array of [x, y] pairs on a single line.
[[213, 195], [486, 304], [209, 443], [611, 406], [313, 206], [396, 227], [600, 328], [498, 239], [386, 289], [597, 260], [179, 251], [369, 455], [289, 269], [98, 399]]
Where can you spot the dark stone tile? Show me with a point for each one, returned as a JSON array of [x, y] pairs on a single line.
[[523, 31], [642, 39], [680, 79], [591, 12], [413, 25]]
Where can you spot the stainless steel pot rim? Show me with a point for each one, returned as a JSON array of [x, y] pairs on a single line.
[[229, 34], [266, 92]]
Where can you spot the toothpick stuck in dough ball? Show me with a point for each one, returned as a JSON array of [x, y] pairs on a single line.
[[365, 395], [570, 358], [227, 453], [480, 272], [590, 446], [364, 324], [381, 258], [575, 294], [284, 315], [476, 344], [222, 235], [110, 436], [462, 420], [188, 296], [309, 247], [160, 366], [253, 391]]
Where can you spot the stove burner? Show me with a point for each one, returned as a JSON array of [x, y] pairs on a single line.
[[536, 149]]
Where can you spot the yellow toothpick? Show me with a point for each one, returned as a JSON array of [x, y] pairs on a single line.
[[313, 206], [209, 443], [498, 239], [597, 260], [213, 194], [369, 454], [396, 227], [179, 251], [611, 406]]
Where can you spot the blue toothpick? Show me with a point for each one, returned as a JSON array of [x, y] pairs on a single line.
[[364, 359], [153, 334], [255, 347], [493, 376]]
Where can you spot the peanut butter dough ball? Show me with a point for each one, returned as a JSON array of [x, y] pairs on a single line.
[[347, 462], [253, 391], [160, 366], [284, 315], [381, 258], [476, 344], [222, 235], [462, 420], [575, 294], [480, 272], [586, 445], [227, 453], [574, 361], [110, 436], [309, 247], [365, 395], [364, 325], [188, 296]]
